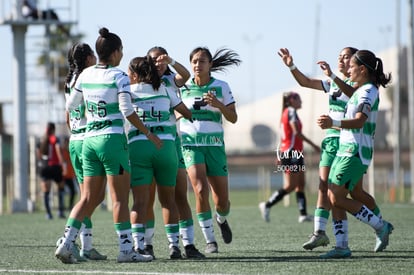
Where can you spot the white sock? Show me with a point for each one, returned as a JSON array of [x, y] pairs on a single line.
[[86, 238], [138, 235], [368, 217], [70, 234], [208, 230], [125, 240], [320, 224], [149, 235], [340, 231], [173, 234], [219, 218], [187, 234]]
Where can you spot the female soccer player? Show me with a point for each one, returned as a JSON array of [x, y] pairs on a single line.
[[290, 158], [209, 100], [339, 89], [106, 94], [153, 102], [356, 146], [173, 80]]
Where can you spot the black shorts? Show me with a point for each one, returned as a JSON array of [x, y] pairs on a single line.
[[291, 162], [53, 172]]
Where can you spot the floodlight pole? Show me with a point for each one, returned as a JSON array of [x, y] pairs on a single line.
[[20, 148], [396, 107], [411, 93]]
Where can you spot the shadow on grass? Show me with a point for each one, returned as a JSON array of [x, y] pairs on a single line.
[[273, 255]]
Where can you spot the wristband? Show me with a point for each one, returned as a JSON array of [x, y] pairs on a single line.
[[336, 123], [148, 133], [332, 76], [292, 67], [172, 63]]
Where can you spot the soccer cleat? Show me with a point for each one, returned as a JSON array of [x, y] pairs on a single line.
[[226, 233], [175, 253], [140, 251], [316, 240], [64, 253], [76, 253], [305, 218], [133, 257], [92, 254], [337, 253], [191, 252], [265, 211], [211, 248], [382, 237], [149, 250]]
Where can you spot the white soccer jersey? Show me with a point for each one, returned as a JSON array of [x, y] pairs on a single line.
[[100, 87], [169, 82], [337, 103], [361, 141], [77, 118], [154, 108], [206, 128]]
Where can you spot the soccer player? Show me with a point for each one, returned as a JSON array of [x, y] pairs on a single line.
[[80, 56], [49, 154], [209, 100], [186, 224], [356, 146], [153, 101], [105, 90], [290, 158], [339, 89]]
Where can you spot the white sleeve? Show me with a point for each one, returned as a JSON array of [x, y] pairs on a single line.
[[74, 100], [227, 94], [326, 86], [125, 104], [174, 99]]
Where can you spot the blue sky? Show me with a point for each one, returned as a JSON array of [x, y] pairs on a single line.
[[254, 29]]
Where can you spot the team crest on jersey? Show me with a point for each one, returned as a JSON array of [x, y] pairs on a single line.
[[213, 91]]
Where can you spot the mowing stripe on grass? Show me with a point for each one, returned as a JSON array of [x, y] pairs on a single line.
[[82, 271]]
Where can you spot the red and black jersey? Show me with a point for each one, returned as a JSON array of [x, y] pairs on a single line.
[[289, 141]]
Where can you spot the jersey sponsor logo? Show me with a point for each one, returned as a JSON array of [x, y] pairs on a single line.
[[199, 102], [336, 94]]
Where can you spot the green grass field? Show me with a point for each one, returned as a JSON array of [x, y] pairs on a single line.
[[27, 245]]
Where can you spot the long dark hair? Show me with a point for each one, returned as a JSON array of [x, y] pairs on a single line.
[[374, 66], [44, 142], [222, 58], [146, 71], [77, 56]]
